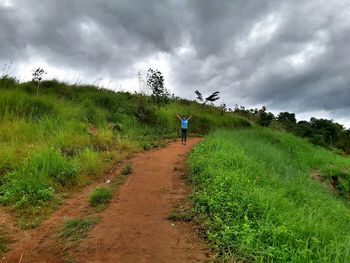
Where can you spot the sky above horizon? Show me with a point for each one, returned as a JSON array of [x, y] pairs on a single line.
[[289, 55]]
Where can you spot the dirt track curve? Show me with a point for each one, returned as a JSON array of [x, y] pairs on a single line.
[[134, 227]]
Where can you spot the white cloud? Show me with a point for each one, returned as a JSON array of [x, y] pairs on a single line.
[[7, 3], [261, 33]]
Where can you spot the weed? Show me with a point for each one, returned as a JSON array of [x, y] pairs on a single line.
[[100, 196], [127, 169], [77, 229], [178, 216]]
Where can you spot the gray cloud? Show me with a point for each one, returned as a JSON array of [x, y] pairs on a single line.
[[287, 55]]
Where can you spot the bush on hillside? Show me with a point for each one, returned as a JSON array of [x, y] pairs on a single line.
[[145, 112]]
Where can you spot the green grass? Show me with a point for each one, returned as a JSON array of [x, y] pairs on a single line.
[[90, 162], [100, 196], [257, 201], [76, 229], [127, 169], [33, 183]]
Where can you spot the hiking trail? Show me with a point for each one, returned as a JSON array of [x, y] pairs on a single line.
[[134, 227]]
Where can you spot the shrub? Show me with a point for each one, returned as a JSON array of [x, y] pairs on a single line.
[[100, 196], [145, 112]]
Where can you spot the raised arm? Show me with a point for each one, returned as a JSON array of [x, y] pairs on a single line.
[[189, 117], [178, 116]]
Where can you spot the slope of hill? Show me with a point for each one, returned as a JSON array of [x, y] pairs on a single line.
[[57, 138], [258, 201]]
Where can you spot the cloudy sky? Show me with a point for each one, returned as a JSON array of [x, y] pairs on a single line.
[[288, 55]]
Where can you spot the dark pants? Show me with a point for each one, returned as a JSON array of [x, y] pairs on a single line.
[[183, 135]]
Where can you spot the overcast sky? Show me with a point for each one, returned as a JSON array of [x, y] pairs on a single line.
[[288, 55]]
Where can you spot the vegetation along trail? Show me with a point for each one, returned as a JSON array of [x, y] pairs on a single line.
[[134, 227]]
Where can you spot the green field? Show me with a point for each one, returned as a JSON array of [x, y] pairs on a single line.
[[256, 199]]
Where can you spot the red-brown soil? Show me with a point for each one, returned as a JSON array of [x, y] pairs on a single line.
[[134, 227]]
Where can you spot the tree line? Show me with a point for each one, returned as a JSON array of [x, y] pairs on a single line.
[[323, 132]]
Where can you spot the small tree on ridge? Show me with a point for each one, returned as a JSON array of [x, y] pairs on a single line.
[[155, 80]]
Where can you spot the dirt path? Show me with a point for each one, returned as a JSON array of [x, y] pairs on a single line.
[[134, 227]]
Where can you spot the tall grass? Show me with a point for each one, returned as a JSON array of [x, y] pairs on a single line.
[[34, 181], [89, 162], [258, 202]]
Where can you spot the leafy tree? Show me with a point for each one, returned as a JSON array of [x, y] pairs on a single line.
[[287, 119], [344, 141], [155, 80], [265, 118], [303, 129], [330, 131], [323, 132]]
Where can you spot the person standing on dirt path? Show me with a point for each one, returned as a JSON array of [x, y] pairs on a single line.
[[184, 125]]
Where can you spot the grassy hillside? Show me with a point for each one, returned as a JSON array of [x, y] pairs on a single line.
[[258, 201], [61, 137]]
